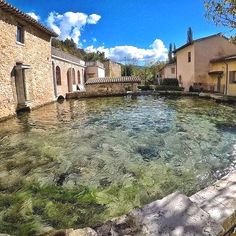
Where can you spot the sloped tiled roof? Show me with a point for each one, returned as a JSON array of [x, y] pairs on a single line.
[[198, 40], [13, 10], [225, 58], [124, 79]]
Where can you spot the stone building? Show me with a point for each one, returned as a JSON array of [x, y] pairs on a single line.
[[94, 70], [193, 60], [112, 69], [112, 86], [68, 73], [25, 61]]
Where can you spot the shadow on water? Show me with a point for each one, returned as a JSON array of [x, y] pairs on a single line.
[[226, 127]]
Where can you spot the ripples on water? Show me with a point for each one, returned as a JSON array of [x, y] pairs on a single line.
[[80, 163]]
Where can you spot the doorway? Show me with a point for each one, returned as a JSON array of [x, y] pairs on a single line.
[[54, 79], [218, 83], [20, 85]]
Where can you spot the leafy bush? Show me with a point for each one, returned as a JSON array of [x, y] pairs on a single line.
[[170, 82], [168, 88], [160, 87], [145, 87]]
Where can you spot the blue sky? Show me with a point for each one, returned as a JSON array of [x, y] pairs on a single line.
[[139, 29]]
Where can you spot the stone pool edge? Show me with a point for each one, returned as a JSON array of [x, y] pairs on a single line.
[[211, 211], [84, 95]]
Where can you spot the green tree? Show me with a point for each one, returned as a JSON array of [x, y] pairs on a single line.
[[95, 56], [222, 12], [170, 54], [233, 39], [174, 58], [70, 46], [189, 35], [174, 47], [128, 70], [69, 43]]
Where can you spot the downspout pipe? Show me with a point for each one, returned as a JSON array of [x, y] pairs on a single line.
[[226, 78]]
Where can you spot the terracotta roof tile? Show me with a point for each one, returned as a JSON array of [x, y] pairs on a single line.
[[13, 10], [124, 79], [225, 58]]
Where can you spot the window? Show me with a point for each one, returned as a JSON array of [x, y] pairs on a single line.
[[58, 75], [189, 56], [180, 80], [172, 70], [20, 34], [232, 77]]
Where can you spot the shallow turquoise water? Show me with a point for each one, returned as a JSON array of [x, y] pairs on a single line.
[[81, 163]]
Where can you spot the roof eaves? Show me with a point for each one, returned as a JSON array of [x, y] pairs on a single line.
[[198, 40], [9, 8], [222, 59], [114, 80], [184, 46]]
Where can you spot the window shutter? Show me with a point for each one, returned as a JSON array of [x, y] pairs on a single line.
[[232, 76]]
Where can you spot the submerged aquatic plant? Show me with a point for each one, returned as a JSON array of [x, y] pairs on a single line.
[[88, 161]]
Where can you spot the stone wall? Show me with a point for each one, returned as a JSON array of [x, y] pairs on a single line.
[[35, 52], [112, 69], [94, 72], [111, 88]]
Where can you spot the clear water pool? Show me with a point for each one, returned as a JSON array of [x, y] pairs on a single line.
[[81, 163]]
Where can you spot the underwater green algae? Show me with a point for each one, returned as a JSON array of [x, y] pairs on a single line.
[[81, 163]]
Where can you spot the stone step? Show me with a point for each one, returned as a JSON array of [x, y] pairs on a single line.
[[219, 200], [174, 215], [211, 212]]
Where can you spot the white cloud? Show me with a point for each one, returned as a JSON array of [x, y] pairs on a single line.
[[51, 23], [94, 40], [156, 51], [93, 19], [70, 24], [34, 16]]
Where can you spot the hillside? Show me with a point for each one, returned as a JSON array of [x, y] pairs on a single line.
[[70, 46]]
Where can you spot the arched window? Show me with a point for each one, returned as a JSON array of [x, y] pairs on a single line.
[[58, 75], [73, 76], [78, 77]]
